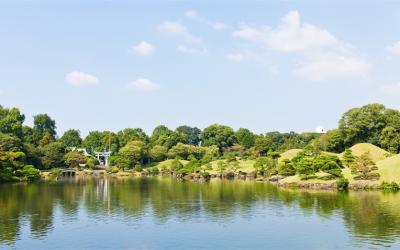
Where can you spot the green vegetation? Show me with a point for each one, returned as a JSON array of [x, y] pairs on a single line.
[[364, 147], [342, 184]]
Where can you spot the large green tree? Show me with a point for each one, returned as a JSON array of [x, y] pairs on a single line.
[[71, 138], [363, 124], [219, 135], [94, 141], [389, 139], [131, 134], [11, 121], [263, 144], [158, 153], [74, 159], [192, 134], [53, 155], [132, 153], [245, 137], [43, 124]]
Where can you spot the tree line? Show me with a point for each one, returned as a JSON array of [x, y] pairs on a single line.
[[25, 149]]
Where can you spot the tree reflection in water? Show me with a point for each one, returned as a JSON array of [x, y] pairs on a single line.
[[370, 216]]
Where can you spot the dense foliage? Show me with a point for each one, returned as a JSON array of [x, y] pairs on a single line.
[[24, 148]]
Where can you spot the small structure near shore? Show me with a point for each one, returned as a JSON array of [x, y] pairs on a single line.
[[102, 157], [68, 172]]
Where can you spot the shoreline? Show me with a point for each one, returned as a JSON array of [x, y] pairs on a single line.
[[358, 185]]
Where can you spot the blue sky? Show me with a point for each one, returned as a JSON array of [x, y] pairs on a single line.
[[263, 66]]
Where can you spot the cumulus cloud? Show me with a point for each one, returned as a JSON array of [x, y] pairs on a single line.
[[78, 79], [192, 14], [330, 67], [394, 49], [192, 51], [178, 29], [290, 36], [143, 48], [322, 56], [143, 85]]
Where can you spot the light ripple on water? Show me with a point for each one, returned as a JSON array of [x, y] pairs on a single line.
[[163, 213]]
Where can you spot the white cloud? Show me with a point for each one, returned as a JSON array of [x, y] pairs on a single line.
[[219, 25], [391, 89], [173, 27], [394, 49], [178, 29], [322, 56], [235, 57], [78, 79], [143, 48], [192, 14], [143, 85], [192, 51], [290, 36], [331, 67]]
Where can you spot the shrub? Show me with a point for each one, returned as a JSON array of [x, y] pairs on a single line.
[[31, 173], [206, 175], [393, 186], [335, 172], [230, 175], [342, 184], [176, 165], [138, 168], [164, 170], [55, 171], [286, 168], [208, 166], [74, 159], [305, 177], [230, 156], [154, 171], [364, 166], [368, 176], [185, 171], [303, 166], [113, 170], [91, 162]]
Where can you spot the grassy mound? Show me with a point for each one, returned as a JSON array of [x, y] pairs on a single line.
[[389, 169], [376, 153], [167, 163], [289, 154], [244, 166]]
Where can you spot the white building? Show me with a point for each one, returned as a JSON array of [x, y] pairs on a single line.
[[320, 130]]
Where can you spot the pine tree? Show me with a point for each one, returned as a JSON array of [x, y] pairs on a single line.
[[348, 158]]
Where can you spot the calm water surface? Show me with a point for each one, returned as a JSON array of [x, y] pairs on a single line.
[[162, 213]]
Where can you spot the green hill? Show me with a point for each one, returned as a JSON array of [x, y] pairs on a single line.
[[167, 163], [376, 153], [389, 168], [289, 154]]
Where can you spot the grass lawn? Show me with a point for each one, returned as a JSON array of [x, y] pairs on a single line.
[[388, 165], [377, 154], [289, 154], [389, 169]]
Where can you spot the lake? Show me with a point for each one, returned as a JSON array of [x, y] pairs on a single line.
[[163, 213]]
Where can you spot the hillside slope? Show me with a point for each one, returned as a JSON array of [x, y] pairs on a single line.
[[376, 153], [289, 154], [389, 168]]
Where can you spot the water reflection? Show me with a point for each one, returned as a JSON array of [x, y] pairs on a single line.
[[367, 216]]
